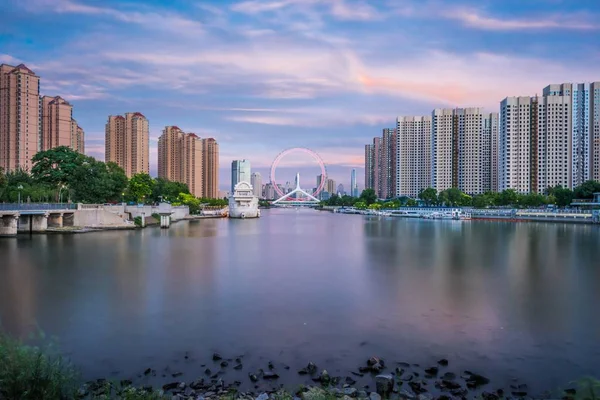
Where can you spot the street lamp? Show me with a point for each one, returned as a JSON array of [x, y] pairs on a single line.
[[20, 187], [60, 193]]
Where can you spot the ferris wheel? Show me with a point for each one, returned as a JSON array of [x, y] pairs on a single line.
[[304, 150]]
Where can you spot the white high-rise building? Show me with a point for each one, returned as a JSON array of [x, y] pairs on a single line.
[[353, 184], [461, 149], [240, 172], [256, 182], [535, 147], [413, 155], [584, 132]]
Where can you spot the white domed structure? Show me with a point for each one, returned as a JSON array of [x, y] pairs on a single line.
[[243, 203]]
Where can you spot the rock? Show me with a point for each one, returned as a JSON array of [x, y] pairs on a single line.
[[399, 371], [433, 371], [207, 371], [336, 392], [209, 394], [214, 376], [374, 396], [286, 367], [170, 386], [450, 385], [217, 357], [270, 375], [405, 394], [350, 392], [571, 392], [149, 371], [271, 366], [357, 374], [424, 396], [182, 386], [408, 378], [489, 396], [176, 374], [238, 360], [417, 387], [519, 394], [324, 378], [364, 370], [384, 384], [378, 367], [335, 380], [238, 367], [475, 380], [350, 381], [443, 362], [449, 376], [197, 384], [311, 368], [404, 365], [253, 377], [263, 396], [224, 364], [374, 360]]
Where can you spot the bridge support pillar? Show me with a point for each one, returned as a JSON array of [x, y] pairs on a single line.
[[23, 223], [55, 220], [39, 223], [165, 220], [8, 224]]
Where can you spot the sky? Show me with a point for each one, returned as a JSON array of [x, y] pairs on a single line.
[[261, 76]]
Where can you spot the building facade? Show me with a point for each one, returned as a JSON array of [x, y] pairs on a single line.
[[413, 155], [19, 117], [353, 184], [127, 142], [387, 177], [240, 172], [180, 159], [369, 167], [257, 186], [210, 168], [330, 186]]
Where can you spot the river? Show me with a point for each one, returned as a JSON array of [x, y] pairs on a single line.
[[508, 300]]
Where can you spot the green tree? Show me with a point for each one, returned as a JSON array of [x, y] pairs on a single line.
[[56, 166], [375, 206], [411, 203], [368, 196], [484, 200], [532, 200], [97, 182], [508, 197], [587, 189], [3, 183], [189, 200], [140, 187], [563, 196], [429, 196], [348, 201], [167, 190], [361, 205]]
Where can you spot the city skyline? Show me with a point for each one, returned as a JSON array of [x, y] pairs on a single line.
[[292, 73]]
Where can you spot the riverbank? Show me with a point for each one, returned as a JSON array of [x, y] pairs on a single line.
[[33, 373]]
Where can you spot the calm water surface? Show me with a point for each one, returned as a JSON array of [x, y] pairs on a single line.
[[507, 300]]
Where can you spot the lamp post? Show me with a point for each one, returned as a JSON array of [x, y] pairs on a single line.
[[60, 193], [20, 187]]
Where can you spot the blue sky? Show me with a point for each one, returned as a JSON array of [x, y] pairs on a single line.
[[261, 76]]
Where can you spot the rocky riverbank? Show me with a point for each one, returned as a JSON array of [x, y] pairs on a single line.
[[378, 379]]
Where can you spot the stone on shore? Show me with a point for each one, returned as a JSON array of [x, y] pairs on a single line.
[[270, 375], [263, 396], [443, 362], [384, 384], [239, 366], [374, 396], [216, 357]]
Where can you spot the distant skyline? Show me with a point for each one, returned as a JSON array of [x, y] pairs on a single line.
[[263, 76]]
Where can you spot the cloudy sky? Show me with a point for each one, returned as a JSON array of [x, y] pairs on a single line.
[[261, 76]]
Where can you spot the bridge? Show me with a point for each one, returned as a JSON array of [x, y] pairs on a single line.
[[297, 197], [34, 217]]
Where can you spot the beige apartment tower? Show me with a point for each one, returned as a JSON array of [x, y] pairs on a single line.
[[210, 170], [413, 155], [19, 117], [184, 157], [180, 158], [127, 142], [58, 126]]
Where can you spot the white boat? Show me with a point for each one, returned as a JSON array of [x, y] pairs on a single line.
[[243, 203]]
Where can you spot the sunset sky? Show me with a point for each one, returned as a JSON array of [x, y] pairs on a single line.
[[261, 76]]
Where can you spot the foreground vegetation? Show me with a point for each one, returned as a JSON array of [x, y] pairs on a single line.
[[34, 373], [556, 196], [61, 175]]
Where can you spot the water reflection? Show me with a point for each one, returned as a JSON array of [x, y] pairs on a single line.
[[506, 299]]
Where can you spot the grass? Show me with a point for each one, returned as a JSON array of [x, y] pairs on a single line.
[[137, 221], [588, 389], [32, 373]]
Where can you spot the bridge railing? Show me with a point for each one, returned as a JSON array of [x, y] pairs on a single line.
[[36, 206]]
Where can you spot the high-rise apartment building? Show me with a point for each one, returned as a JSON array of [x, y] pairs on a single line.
[[269, 191], [369, 166], [584, 99], [240, 172], [330, 186], [58, 127], [256, 182], [535, 149], [387, 178], [353, 184], [126, 142], [210, 170], [377, 165], [461, 149], [180, 159], [413, 155], [19, 116]]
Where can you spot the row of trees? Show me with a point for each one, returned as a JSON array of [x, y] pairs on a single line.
[[61, 174], [453, 197]]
